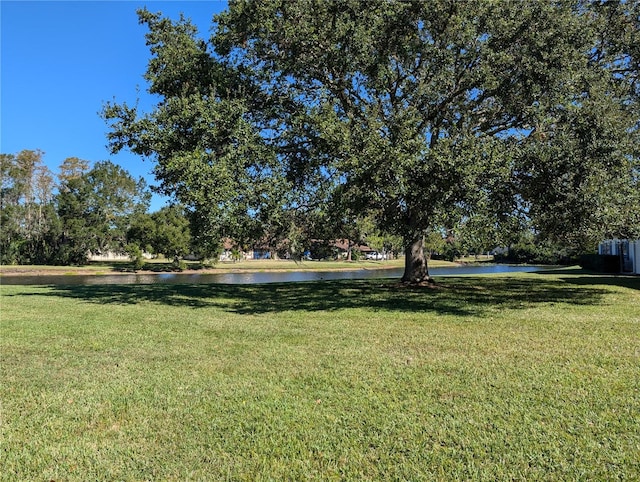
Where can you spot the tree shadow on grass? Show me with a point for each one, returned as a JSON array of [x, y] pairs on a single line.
[[631, 282], [452, 295], [583, 277]]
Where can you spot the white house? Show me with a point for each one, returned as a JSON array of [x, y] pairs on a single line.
[[628, 250]]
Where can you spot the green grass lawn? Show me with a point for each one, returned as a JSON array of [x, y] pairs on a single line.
[[521, 377]]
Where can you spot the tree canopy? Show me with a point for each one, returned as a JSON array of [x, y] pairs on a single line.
[[96, 209], [26, 195], [418, 115]]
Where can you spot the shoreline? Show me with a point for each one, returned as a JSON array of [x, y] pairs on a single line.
[[29, 270]]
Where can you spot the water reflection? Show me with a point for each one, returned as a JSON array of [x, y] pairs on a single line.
[[253, 278]]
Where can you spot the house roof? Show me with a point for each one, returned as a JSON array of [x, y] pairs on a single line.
[[343, 245]]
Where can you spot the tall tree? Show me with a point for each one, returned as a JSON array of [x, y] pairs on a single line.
[[209, 152], [417, 113], [9, 207], [580, 169], [96, 210], [71, 168], [26, 165], [27, 216], [172, 235]]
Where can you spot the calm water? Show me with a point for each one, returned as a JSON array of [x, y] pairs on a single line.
[[254, 278]]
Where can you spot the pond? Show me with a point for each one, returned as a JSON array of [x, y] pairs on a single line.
[[256, 277]]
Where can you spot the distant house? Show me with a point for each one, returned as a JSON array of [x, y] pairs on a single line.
[[227, 250], [109, 256], [627, 250], [331, 249], [259, 251], [344, 245], [319, 249]]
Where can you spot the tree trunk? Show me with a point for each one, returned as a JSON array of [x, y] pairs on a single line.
[[415, 262]]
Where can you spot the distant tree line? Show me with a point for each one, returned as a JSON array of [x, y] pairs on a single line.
[[84, 210]]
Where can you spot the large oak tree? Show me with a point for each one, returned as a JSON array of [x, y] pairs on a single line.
[[418, 114]]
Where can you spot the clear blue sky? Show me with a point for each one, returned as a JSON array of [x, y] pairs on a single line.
[[60, 61]]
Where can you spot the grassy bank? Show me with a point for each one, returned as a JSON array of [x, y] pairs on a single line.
[[162, 265], [524, 377]]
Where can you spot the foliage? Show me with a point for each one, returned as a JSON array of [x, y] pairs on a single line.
[[29, 222], [450, 251], [209, 153], [430, 127], [166, 232], [323, 250], [203, 244], [172, 235], [421, 115], [381, 241], [535, 251], [142, 231], [72, 168], [96, 209], [135, 255]]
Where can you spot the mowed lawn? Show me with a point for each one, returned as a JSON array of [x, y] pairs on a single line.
[[521, 377]]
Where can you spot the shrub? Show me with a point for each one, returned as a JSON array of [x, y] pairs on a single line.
[[135, 255]]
